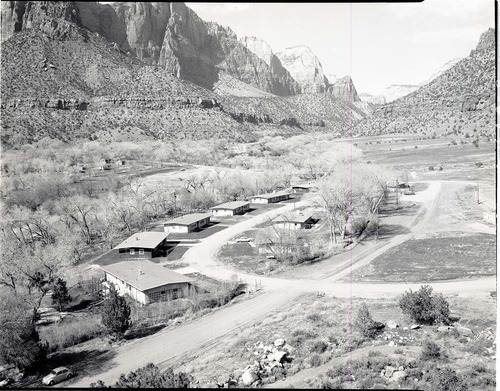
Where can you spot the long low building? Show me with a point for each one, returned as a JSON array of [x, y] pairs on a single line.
[[304, 188], [187, 223], [146, 282], [143, 245], [294, 220], [231, 208], [270, 198]]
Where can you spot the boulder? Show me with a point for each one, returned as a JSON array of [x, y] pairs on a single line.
[[392, 324], [280, 342], [398, 376], [464, 330], [278, 356], [290, 349], [249, 377], [391, 343], [414, 326], [442, 329], [389, 371]]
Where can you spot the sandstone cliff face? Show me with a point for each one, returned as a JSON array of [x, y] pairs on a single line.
[[344, 89], [170, 35], [305, 68]]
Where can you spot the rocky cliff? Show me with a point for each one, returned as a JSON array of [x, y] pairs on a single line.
[[305, 68], [344, 89], [170, 35]]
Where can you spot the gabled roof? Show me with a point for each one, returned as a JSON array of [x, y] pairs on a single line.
[[272, 195], [305, 185], [231, 205], [143, 240], [188, 219], [293, 217], [144, 274]]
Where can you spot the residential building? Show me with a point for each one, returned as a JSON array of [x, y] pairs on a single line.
[[187, 223], [303, 188], [143, 245], [270, 198], [145, 281], [302, 220], [231, 208]]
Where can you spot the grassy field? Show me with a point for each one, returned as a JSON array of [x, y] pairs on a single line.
[[434, 259]]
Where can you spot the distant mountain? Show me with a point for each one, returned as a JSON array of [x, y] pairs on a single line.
[[344, 89], [305, 68], [438, 72], [374, 99], [460, 100], [396, 91]]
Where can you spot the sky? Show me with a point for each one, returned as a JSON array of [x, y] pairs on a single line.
[[376, 44]]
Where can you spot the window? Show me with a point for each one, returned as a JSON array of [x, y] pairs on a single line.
[[141, 251], [132, 251]]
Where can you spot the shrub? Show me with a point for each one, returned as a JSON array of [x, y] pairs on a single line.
[[445, 379], [60, 295], [115, 313], [315, 360], [423, 308], [318, 346], [430, 350], [431, 168], [365, 323]]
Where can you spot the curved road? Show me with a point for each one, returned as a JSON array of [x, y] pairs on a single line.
[[164, 346]]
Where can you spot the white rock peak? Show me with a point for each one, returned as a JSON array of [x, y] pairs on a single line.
[[259, 47]]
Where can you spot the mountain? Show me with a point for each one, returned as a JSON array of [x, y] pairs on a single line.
[[331, 78], [460, 100], [374, 99], [305, 68], [396, 91], [344, 89], [169, 35], [438, 72]]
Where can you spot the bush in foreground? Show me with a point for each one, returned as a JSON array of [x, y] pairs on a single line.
[[424, 308], [149, 376], [116, 313], [365, 323]]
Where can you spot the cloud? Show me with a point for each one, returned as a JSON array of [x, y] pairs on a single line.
[[219, 8]]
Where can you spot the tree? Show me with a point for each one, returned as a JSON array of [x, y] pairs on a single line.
[[423, 308], [20, 343], [60, 295], [149, 376], [445, 379], [115, 313], [365, 323], [430, 350]]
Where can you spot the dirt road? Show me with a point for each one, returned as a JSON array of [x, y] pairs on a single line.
[[172, 343]]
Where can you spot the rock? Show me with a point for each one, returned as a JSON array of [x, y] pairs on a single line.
[[389, 371], [382, 373], [391, 343], [344, 89], [442, 329], [405, 328], [290, 349], [414, 326], [464, 330], [280, 342], [398, 376], [454, 317], [249, 377], [392, 324], [401, 368], [278, 356]]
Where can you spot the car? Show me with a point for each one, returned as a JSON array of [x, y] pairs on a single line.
[[57, 375]]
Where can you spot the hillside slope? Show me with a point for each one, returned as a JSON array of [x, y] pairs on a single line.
[[460, 100]]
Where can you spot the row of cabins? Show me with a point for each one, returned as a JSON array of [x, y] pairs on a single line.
[[148, 282]]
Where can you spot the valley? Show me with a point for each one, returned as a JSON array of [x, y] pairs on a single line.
[[183, 206]]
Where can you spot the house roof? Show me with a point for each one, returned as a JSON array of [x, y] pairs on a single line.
[[231, 205], [187, 219], [144, 274], [304, 185], [272, 195], [143, 240], [293, 217]]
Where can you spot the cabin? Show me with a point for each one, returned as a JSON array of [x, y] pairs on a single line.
[[231, 208], [303, 188], [270, 198], [145, 281], [294, 221], [143, 245], [187, 223]]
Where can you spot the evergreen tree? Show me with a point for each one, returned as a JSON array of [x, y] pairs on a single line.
[[60, 295], [424, 308], [116, 313], [365, 323]]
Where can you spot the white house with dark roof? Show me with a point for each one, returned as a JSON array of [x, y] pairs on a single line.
[[143, 245], [187, 223], [302, 220], [231, 208], [146, 282], [270, 198]]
